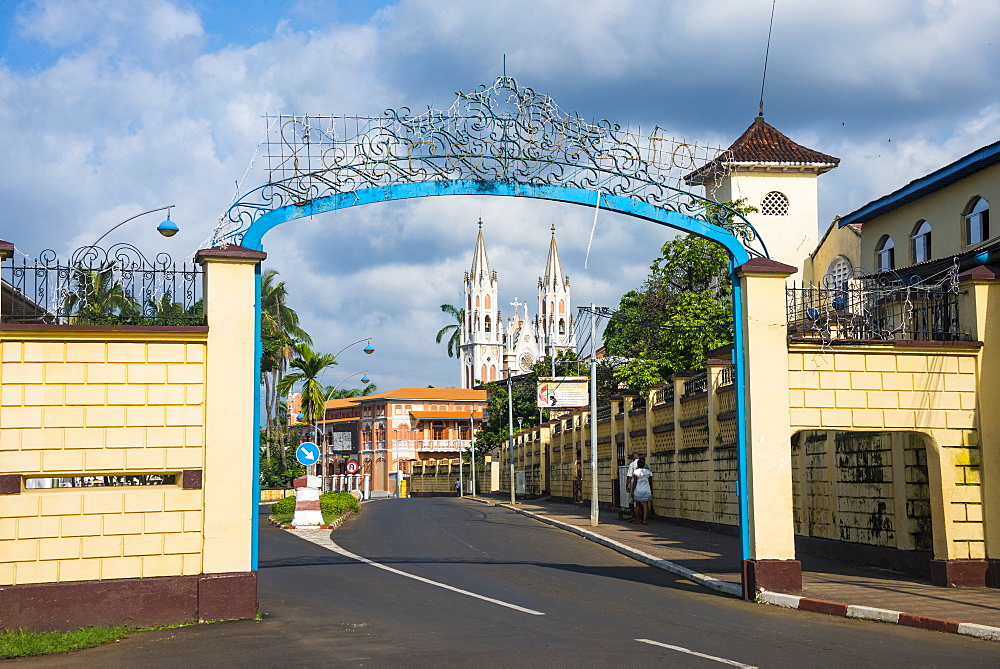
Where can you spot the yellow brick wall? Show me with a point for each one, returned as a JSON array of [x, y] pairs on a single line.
[[100, 403], [928, 390]]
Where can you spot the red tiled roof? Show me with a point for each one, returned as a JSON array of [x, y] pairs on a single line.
[[763, 143]]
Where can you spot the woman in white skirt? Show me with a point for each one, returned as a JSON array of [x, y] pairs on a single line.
[[642, 490]]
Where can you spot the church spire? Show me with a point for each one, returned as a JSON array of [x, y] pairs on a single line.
[[553, 277], [480, 262]]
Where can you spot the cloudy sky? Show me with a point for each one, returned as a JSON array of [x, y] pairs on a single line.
[[109, 108]]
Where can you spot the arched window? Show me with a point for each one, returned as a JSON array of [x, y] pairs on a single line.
[[977, 221], [477, 302], [484, 378], [493, 372], [487, 303], [920, 242], [835, 280], [487, 322], [438, 428], [837, 273], [774, 204], [543, 307], [562, 326], [562, 306], [885, 254]]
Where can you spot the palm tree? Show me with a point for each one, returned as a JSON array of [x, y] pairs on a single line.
[[279, 329], [310, 366], [97, 297], [455, 338]]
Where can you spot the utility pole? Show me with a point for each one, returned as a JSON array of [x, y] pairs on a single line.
[[510, 432], [594, 521], [472, 441]]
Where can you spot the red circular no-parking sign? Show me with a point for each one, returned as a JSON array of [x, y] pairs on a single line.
[[352, 466]]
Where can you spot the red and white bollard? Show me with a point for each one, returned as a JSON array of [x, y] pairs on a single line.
[[307, 502]]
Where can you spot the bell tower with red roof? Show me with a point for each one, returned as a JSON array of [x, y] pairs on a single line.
[[777, 176]]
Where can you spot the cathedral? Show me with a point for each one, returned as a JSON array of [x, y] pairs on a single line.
[[489, 345]]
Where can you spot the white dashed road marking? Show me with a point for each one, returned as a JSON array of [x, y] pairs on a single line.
[[679, 649]]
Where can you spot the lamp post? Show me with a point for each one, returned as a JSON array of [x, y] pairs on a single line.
[[472, 442], [322, 445], [368, 349], [167, 228]]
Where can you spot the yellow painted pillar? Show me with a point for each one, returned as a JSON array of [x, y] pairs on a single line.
[[979, 310], [231, 381], [772, 564]]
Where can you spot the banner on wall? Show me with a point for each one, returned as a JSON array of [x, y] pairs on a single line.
[[563, 392]]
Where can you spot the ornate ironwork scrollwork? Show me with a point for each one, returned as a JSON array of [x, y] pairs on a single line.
[[502, 132], [114, 286]]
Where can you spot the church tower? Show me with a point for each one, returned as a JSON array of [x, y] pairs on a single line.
[[555, 314], [777, 176], [482, 340]]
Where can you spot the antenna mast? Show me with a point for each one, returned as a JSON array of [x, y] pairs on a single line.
[[767, 51]]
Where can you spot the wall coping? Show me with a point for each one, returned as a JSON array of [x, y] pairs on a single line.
[[979, 273], [882, 345], [126, 333], [764, 266], [230, 252], [6, 249]]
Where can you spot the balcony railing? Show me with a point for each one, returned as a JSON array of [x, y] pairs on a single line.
[[876, 308], [439, 445]]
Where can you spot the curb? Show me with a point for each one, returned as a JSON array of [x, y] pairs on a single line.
[[332, 526], [985, 632], [704, 580], [879, 615]]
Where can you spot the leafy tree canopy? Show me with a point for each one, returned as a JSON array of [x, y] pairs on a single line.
[[682, 311]]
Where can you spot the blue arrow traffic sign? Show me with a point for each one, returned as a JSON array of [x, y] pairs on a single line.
[[307, 453]]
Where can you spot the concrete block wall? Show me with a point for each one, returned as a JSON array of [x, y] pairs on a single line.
[[885, 447], [434, 476], [926, 389], [84, 404]]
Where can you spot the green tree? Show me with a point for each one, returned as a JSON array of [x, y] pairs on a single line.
[[682, 311], [453, 331], [344, 393], [494, 430], [97, 297], [310, 367], [279, 332]]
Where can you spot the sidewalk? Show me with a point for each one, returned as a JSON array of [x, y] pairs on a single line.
[[829, 586]]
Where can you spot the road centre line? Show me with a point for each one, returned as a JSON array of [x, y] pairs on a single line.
[[337, 549], [693, 652]]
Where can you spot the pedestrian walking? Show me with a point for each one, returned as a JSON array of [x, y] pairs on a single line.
[[642, 490], [458, 486], [629, 501]]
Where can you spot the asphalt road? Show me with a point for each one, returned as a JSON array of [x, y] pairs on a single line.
[[483, 587]]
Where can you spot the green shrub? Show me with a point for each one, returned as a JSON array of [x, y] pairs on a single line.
[[331, 504]]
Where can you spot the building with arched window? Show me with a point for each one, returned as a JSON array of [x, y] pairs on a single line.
[[386, 431]]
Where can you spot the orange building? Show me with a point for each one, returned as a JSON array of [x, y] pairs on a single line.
[[388, 430]]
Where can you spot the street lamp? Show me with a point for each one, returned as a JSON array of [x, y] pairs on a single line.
[[472, 442], [167, 228], [367, 349]]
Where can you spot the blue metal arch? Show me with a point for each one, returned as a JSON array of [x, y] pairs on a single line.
[[253, 238]]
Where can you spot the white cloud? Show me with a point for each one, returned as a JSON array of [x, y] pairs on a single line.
[[128, 106]]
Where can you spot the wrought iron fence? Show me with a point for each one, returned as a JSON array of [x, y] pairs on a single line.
[[727, 376], [664, 395], [875, 307], [603, 413], [696, 384], [638, 403], [96, 286]]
